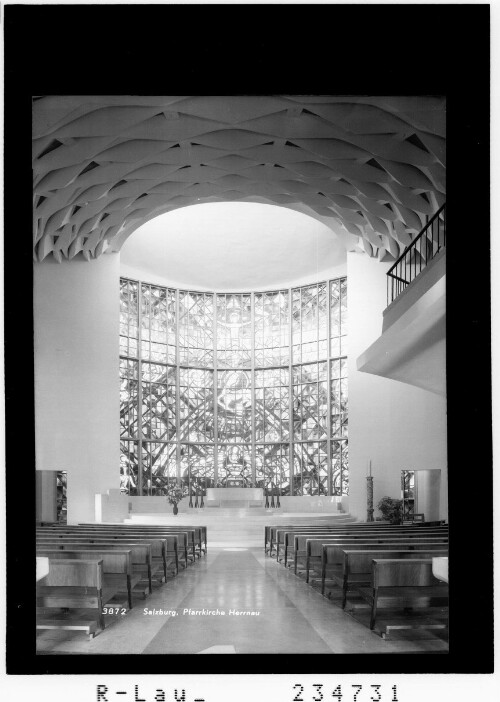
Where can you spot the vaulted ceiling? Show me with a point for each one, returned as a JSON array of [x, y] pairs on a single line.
[[370, 168]]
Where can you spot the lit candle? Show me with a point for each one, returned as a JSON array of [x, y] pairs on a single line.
[[370, 470]]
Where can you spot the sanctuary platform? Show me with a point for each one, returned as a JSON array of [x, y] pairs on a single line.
[[236, 527]]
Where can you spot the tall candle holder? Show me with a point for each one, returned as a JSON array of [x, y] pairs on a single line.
[[369, 498]]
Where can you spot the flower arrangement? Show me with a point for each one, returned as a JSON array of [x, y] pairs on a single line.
[[175, 493]]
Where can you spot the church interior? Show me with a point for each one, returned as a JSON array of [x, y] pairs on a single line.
[[240, 374]]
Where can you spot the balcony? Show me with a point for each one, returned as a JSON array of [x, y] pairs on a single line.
[[412, 346]]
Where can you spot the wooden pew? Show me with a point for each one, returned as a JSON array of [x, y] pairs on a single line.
[[270, 531], [158, 546], [163, 548], [314, 546], [301, 550], [116, 566], [193, 540], [269, 527], [199, 539], [333, 554], [403, 583], [294, 542], [185, 539], [357, 565], [140, 551], [280, 534], [70, 585]]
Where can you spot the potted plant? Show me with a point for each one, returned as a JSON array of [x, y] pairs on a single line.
[[174, 494], [392, 509]]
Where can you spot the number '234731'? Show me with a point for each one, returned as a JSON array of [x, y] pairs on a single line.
[[356, 693]]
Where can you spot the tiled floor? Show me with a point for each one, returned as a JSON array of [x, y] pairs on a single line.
[[290, 617]]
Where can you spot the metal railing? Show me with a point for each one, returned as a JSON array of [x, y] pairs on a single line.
[[417, 255]]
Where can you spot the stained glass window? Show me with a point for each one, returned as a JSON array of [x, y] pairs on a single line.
[[197, 465], [272, 329], [129, 398], [272, 405], [159, 466], [196, 406], [196, 329], [310, 401], [340, 475], [309, 323], [272, 467], [129, 467], [310, 473], [158, 328], [235, 461], [338, 389], [234, 406], [234, 331], [338, 317], [158, 401], [129, 317]]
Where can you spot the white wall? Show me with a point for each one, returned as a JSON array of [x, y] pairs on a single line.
[[46, 496], [396, 425], [76, 326], [427, 491]]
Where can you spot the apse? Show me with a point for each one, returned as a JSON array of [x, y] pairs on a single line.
[[233, 246]]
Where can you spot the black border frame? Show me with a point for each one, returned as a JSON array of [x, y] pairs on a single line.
[[267, 49]]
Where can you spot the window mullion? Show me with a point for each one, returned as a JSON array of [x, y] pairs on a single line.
[[139, 387], [290, 391], [328, 394], [252, 383], [178, 391], [215, 390]]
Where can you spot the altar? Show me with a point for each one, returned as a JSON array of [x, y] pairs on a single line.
[[236, 497]]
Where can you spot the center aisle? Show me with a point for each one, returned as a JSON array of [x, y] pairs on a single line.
[[234, 581], [292, 617]]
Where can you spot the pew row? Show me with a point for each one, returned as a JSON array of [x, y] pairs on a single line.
[[296, 543], [332, 558], [185, 539], [116, 567], [71, 586], [200, 537], [404, 584], [356, 568], [165, 549], [314, 547], [140, 552], [278, 533]]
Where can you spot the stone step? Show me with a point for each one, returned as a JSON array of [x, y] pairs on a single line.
[[236, 528], [226, 518]]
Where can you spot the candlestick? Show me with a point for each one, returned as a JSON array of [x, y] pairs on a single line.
[[369, 499]]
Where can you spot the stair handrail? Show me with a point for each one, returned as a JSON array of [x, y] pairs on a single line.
[[398, 283]]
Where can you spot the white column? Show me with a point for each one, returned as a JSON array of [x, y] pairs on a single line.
[[76, 328]]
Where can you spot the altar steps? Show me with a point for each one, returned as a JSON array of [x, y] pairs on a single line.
[[259, 515], [236, 528]]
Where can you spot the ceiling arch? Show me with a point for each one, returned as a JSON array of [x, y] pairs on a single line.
[[370, 168], [233, 246]]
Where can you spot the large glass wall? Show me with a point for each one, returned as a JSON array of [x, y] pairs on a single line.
[[217, 386]]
